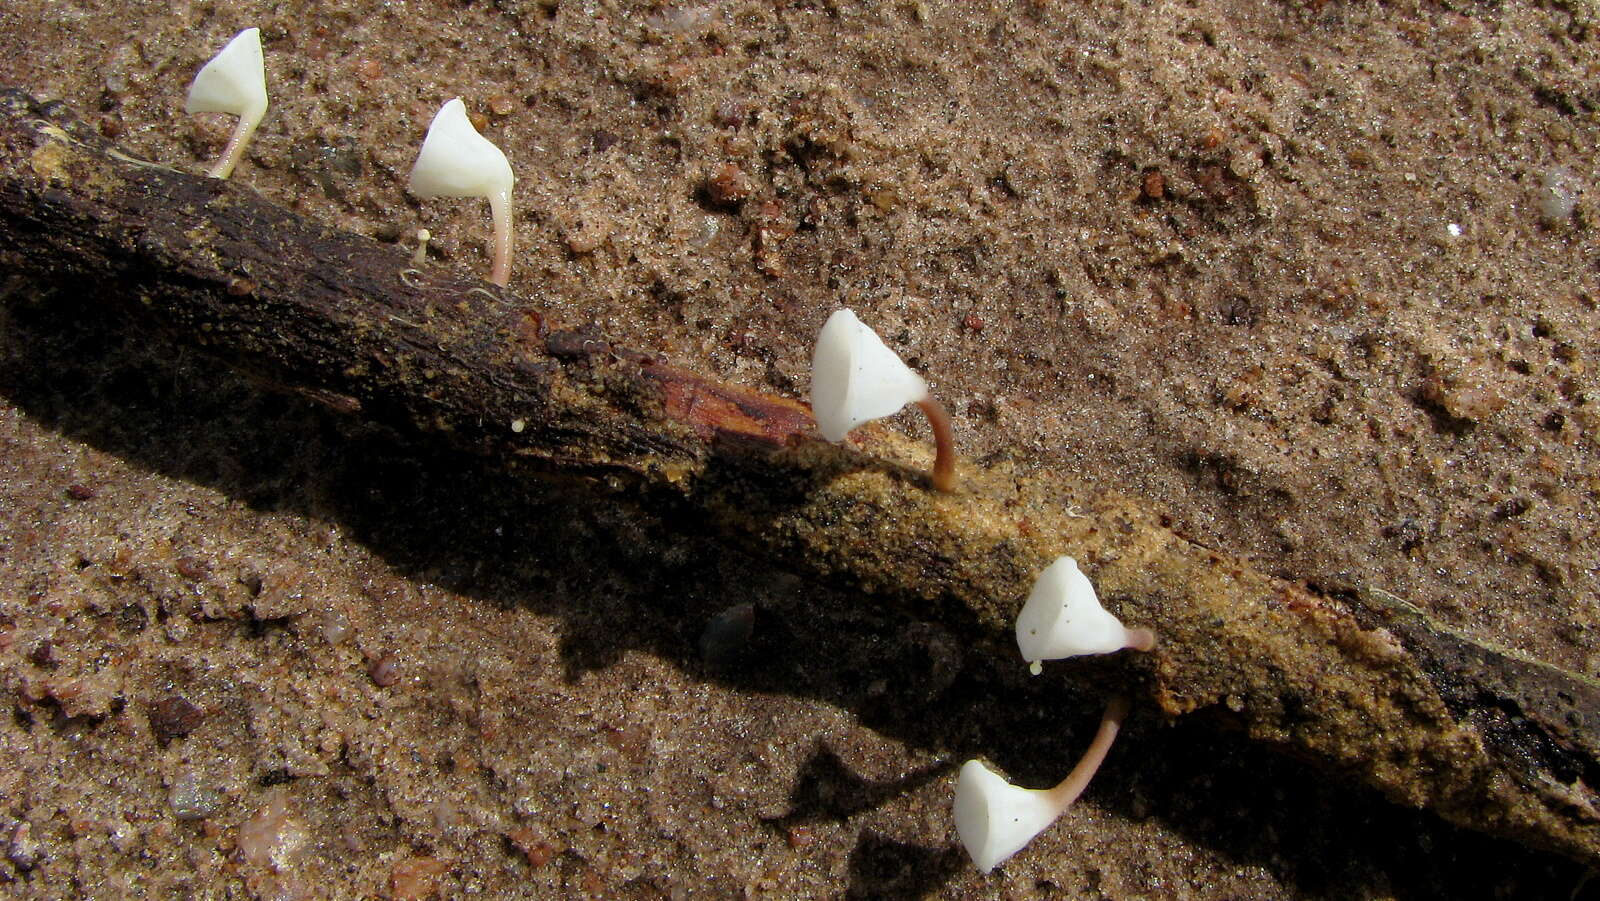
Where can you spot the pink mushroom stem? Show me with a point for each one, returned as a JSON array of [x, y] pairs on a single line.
[[500, 210], [234, 152], [1068, 789], [944, 440]]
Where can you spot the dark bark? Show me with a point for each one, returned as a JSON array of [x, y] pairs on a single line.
[[1354, 679]]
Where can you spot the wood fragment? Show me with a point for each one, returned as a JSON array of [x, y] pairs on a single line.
[[1352, 678]]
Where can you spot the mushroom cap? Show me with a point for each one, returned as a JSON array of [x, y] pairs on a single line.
[[456, 161], [234, 81], [1063, 617], [995, 819], [856, 378]]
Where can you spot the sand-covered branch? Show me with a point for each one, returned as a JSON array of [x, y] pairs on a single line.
[[1352, 678]]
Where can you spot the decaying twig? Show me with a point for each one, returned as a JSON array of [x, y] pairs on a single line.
[[1356, 680]]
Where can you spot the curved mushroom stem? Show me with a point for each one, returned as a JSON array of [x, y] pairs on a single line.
[[242, 133], [500, 209], [1071, 787], [944, 441]]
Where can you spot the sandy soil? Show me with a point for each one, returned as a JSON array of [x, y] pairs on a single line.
[[1300, 274]]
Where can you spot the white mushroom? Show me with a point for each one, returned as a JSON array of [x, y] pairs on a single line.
[[995, 819], [1063, 618], [456, 161], [856, 378], [234, 81]]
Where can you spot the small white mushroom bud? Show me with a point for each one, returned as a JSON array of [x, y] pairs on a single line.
[[995, 819], [456, 161], [856, 378], [1063, 618], [419, 257], [234, 81]]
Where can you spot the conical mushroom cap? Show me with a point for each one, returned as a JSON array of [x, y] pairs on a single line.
[[995, 819], [456, 161], [1063, 617], [234, 81], [856, 378]]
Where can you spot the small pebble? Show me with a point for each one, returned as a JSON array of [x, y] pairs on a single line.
[[80, 492], [132, 618], [192, 799], [538, 849], [1558, 194], [1469, 398], [730, 114], [335, 626], [1154, 185], [192, 568], [285, 591], [800, 837], [44, 654], [586, 237], [174, 717], [933, 655], [729, 187], [726, 637], [416, 878], [23, 852], [272, 837], [384, 669]]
